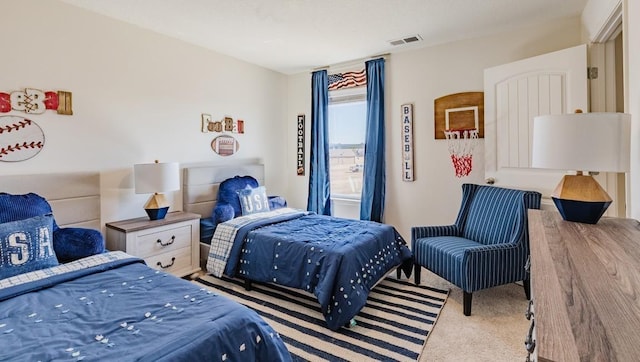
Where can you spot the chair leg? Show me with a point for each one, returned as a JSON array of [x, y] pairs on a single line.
[[466, 303], [416, 273], [527, 288]]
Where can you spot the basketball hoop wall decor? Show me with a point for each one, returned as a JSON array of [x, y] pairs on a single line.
[[459, 118], [407, 142]]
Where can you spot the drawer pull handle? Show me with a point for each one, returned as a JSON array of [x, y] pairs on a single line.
[[529, 313], [173, 238], [531, 346], [529, 342], [173, 260]]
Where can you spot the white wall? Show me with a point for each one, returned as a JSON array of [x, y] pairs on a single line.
[[419, 77], [137, 97], [595, 17]]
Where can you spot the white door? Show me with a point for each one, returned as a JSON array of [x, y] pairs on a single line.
[[514, 93]]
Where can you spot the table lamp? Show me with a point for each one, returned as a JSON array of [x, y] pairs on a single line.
[[155, 178], [582, 142]]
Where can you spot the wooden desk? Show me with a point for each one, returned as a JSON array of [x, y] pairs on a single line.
[[585, 285]]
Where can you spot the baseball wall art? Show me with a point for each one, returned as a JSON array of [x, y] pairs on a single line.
[[20, 138]]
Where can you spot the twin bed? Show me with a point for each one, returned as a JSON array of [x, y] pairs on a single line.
[[337, 260], [111, 306]]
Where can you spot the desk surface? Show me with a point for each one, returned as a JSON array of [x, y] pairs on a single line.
[[585, 282]]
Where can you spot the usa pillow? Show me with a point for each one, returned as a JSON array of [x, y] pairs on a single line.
[[253, 200], [26, 245]]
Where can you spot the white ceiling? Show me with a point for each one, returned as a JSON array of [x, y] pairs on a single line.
[[291, 36]]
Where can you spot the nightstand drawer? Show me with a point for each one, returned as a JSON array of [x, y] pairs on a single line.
[[173, 241], [161, 241], [171, 262]]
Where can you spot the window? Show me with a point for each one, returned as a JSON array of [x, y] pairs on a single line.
[[347, 125]]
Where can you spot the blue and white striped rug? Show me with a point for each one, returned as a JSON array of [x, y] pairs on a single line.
[[393, 326]]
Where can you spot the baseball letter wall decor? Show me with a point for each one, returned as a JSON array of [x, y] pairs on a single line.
[[300, 145], [407, 142], [35, 101]]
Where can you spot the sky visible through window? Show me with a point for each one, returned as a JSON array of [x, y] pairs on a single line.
[[347, 122], [347, 125]]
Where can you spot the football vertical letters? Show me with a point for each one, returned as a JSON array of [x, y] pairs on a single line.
[[300, 145]]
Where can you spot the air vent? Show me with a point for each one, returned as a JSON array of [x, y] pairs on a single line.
[[406, 40]]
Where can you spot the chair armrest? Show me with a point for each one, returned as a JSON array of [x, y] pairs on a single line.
[[75, 243], [418, 232]]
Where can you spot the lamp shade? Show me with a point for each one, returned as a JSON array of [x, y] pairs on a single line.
[[582, 142], [156, 177]]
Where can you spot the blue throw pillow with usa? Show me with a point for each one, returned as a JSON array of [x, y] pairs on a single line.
[[253, 200], [26, 245]]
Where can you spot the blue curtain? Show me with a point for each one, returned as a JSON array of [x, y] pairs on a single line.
[[373, 179], [319, 192]]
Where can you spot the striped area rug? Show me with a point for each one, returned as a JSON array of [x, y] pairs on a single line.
[[393, 326]]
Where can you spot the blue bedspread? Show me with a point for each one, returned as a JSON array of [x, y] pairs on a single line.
[[118, 309], [338, 260]]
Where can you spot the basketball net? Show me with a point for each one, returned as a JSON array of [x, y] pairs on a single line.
[[461, 145]]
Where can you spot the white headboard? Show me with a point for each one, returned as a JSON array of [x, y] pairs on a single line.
[[200, 184], [74, 197]]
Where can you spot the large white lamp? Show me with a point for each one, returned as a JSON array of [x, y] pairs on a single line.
[[155, 178], [582, 142]]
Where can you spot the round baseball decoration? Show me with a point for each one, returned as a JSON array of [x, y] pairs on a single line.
[[20, 138]]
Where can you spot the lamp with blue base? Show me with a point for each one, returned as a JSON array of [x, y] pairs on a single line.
[[590, 142], [156, 178], [580, 198]]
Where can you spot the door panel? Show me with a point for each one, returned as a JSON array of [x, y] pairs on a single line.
[[515, 93]]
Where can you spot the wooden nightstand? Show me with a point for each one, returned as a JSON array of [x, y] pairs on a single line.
[[170, 244]]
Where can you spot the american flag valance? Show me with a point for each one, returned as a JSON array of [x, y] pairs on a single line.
[[347, 80]]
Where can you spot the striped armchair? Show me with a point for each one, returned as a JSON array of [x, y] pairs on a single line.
[[487, 246]]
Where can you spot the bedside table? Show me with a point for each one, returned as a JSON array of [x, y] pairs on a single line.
[[170, 244]]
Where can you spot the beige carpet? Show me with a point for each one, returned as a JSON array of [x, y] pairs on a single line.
[[494, 331]]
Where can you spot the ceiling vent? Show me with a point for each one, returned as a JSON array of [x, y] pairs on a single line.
[[406, 40]]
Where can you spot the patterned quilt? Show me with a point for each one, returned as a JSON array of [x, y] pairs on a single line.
[[112, 307], [338, 260]]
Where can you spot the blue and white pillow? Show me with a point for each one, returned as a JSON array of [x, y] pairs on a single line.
[[253, 200], [26, 245]]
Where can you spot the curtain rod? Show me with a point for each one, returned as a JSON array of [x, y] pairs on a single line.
[[350, 62]]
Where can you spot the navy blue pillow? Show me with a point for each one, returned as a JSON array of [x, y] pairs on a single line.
[[228, 192], [222, 213], [75, 243], [26, 245], [18, 207], [277, 202]]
